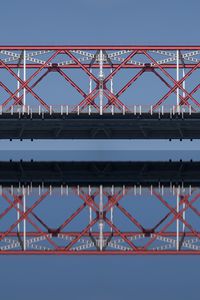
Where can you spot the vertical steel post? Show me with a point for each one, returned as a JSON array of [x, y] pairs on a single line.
[[90, 83], [24, 222], [18, 216], [184, 216], [90, 209], [24, 70], [183, 83], [111, 217], [90, 214], [101, 222], [177, 221], [101, 78], [177, 77], [111, 82], [18, 83]]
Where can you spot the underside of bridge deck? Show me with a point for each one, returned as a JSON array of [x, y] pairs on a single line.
[[118, 126], [57, 173]]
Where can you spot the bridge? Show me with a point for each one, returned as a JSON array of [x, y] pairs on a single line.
[[99, 208], [99, 92]]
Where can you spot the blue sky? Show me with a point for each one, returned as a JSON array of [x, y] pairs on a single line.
[[99, 22]]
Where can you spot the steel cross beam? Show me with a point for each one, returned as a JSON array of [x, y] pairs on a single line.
[[117, 73], [99, 220]]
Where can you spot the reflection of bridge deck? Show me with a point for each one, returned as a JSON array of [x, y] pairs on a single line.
[[95, 126], [95, 173]]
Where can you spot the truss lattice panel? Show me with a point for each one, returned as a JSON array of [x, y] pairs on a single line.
[[99, 78], [99, 220]]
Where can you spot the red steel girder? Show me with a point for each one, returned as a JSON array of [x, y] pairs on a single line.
[[124, 241], [100, 47], [95, 252], [149, 64], [96, 66], [96, 234]]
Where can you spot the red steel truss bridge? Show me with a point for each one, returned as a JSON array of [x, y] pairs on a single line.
[[42, 215], [99, 92]]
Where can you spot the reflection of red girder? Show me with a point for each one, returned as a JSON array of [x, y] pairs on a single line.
[[94, 252], [100, 232], [160, 61]]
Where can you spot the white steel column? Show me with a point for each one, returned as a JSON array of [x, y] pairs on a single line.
[[111, 82], [18, 216], [90, 209], [101, 223], [18, 83], [183, 83], [111, 211], [90, 83], [24, 210], [177, 76], [177, 221], [184, 215], [90, 212], [111, 217], [24, 65], [101, 78]]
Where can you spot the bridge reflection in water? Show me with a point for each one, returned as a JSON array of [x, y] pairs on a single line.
[[109, 208]]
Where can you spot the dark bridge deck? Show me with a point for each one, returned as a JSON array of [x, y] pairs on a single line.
[[95, 173], [108, 126]]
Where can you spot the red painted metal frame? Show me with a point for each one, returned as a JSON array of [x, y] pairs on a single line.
[[89, 98], [96, 66], [41, 229], [100, 47]]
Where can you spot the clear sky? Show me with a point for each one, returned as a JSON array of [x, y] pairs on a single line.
[[99, 22]]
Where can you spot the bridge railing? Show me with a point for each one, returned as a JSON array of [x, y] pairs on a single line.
[[107, 109]]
